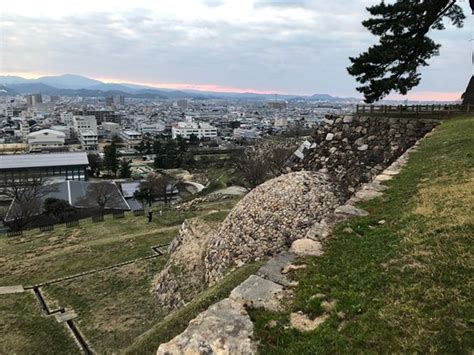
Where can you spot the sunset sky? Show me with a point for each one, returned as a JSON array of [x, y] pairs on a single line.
[[282, 46]]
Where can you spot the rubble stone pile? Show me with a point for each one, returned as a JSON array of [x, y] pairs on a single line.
[[269, 219]]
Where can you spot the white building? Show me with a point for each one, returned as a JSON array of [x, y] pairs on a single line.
[[280, 122], [131, 138], [200, 130], [62, 129], [46, 138], [86, 129], [151, 128], [243, 133], [85, 123], [88, 139], [110, 129]]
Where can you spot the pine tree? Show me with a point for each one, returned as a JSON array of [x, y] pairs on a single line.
[[125, 169], [393, 64], [111, 158]]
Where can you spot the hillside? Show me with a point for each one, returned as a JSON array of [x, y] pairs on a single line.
[[401, 278]]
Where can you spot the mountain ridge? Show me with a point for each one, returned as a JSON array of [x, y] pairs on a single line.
[[73, 85]]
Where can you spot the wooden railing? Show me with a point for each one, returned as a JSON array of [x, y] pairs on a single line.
[[413, 109]]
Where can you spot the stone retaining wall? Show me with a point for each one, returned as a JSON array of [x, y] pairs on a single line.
[[354, 149]]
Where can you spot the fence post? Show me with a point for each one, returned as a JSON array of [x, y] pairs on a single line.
[[468, 108]]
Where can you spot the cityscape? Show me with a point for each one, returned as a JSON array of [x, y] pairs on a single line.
[[236, 177]]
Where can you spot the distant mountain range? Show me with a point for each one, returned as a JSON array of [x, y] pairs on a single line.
[[76, 85]]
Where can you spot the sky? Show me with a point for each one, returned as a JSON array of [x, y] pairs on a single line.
[[281, 46]]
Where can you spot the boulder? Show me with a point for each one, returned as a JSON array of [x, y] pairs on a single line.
[[224, 328]]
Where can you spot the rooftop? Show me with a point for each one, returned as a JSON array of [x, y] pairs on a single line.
[[21, 161]]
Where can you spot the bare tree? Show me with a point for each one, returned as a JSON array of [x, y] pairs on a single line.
[[101, 194], [159, 186], [252, 168], [278, 157], [27, 194]]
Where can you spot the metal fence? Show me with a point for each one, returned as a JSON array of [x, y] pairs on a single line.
[[74, 223], [119, 214], [17, 233], [46, 227], [98, 218]]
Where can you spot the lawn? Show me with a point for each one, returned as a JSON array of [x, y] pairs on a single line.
[[114, 306], [38, 257], [402, 276], [23, 326]]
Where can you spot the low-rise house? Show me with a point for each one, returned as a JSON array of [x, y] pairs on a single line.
[[44, 139], [131, 138]]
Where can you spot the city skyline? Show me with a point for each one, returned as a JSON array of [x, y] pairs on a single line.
[[287, 47]]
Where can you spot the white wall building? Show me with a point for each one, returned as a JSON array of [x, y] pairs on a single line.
[[62, 129], [46, 138], [85, 123], [86, 128], [243, 133], [88, 139], [151, 128], [131, 138], [186, 129]]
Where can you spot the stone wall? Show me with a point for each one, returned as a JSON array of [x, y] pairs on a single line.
[[355, 149], [342, 154]]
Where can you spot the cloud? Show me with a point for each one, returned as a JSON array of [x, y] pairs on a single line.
[[299, 46]]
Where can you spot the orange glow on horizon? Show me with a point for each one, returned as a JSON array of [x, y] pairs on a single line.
[[414, 96], [428, 96], [173, 86]]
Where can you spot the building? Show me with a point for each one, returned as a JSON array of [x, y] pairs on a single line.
[[100, 115], [109, 129], [280, 122], [119, 100], [34, 99], [45, 139], [86, 128], [63, 129], [85, 123], [152, 128], [88, 139], [277, 105], [188, 128], [82, 195], [243, 133], [131, 138], [57, 166]]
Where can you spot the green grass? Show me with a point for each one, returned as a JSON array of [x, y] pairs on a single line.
[[39, 257], [177, 321], [23, 326], [403, 286], [113, 307]]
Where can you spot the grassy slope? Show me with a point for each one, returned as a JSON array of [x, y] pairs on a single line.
[[109, 315], [405, 285], [23, 326], [38, 257], [177, 321]]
